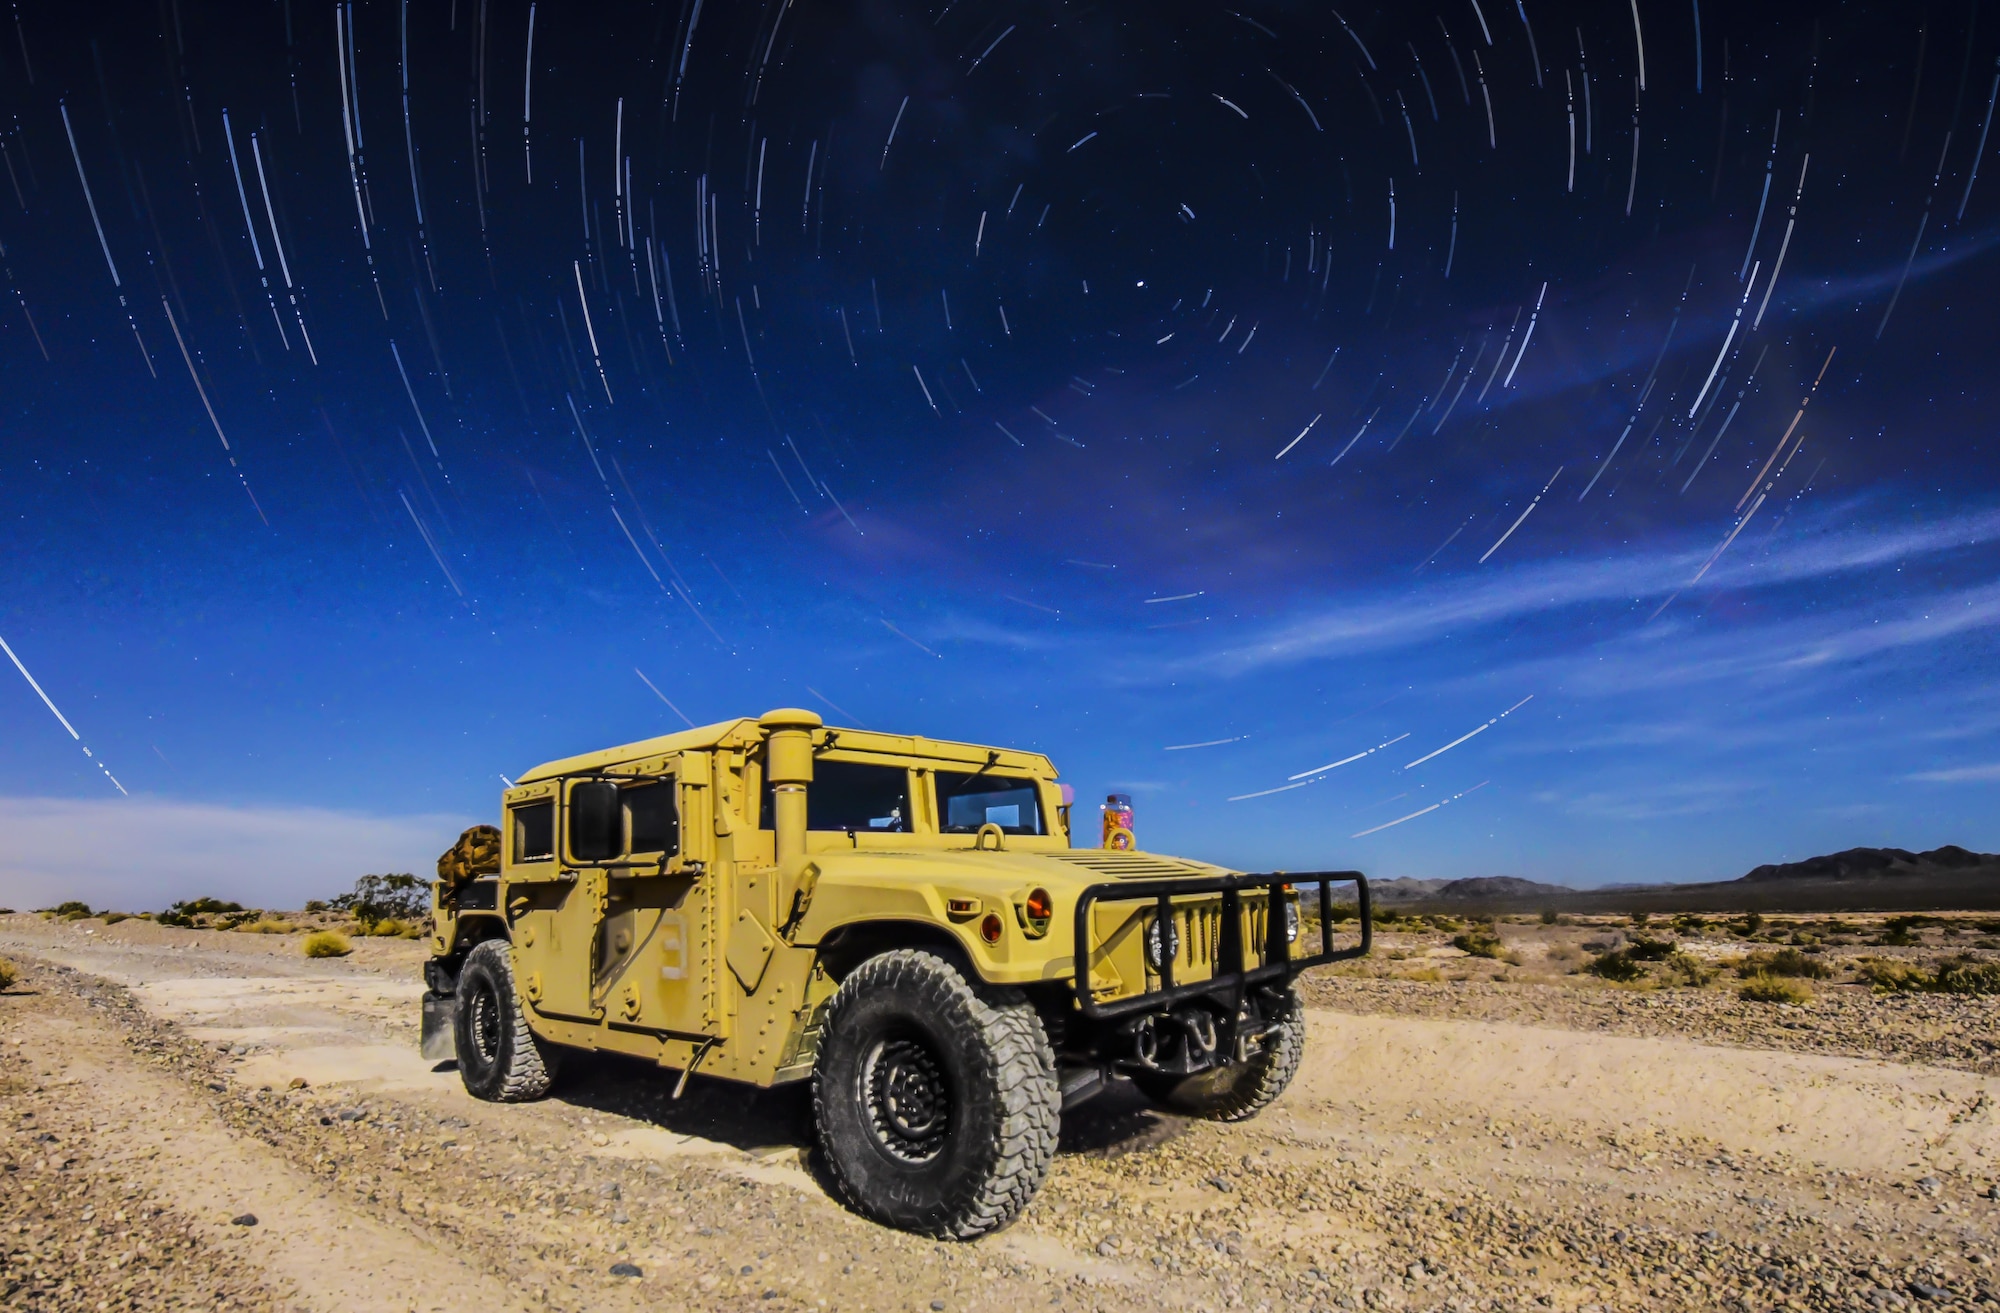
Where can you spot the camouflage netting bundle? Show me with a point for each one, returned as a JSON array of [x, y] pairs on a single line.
[[477, 852]]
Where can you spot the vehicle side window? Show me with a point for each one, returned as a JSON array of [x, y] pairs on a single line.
[[535, 832], [966, 802], [652, 818], [855, 795]]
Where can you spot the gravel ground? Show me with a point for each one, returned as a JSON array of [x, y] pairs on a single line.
[[159, 1059]]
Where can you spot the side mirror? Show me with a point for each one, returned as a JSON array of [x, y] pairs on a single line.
[[596, 822]]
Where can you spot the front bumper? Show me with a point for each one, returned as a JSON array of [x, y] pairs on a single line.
[[1235, 974]]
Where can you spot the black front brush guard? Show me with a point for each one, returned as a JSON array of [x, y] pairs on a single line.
[[1234, 976]]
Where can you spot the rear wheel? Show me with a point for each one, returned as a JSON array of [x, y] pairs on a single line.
[[499, 1058], [1241, 1090], [936, 1104]]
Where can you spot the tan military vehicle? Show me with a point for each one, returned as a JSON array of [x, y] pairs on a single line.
[[900, 920]]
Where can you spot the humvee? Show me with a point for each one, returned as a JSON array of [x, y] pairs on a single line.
[[899, 920]]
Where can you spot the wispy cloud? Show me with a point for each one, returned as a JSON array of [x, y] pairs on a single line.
[[142, 853], [1427, 611], [1986, 774]]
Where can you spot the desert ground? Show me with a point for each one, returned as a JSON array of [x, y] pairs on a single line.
[[203, 1118]]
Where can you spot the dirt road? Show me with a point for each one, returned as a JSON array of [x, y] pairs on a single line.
[[161, 1088]]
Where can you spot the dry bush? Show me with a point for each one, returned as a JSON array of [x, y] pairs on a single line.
[[8, 975], [1558, 954], [1479, 941], [1686, 969], [1967, 975], [1617, 965], [1774, 989], [1785, 962], [1890, 976], [265, 925], [1652, 950], [327, 943], [392, 928]]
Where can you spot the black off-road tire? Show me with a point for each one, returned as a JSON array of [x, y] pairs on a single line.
[[499, 1058], [1241, 1090], [935, 1101]]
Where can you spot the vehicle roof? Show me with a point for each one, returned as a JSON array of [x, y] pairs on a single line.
[[745, 732]]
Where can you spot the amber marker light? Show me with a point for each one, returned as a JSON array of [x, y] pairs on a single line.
[[989, 929]]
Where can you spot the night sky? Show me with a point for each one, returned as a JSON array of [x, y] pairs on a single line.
[[394, 396]]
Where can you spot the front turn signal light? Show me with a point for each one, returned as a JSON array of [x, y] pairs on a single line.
[[989, 928], [1037, 910]]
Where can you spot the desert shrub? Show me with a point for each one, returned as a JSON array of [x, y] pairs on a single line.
[[392, 928], [265, 925], [1688, 925], [1898, 931], [1989, 927], [1752, 923], [1618, 965], [1785, 962], [8, 975], [395, 897], [1774, 989], [1967, 975], [113, 918], [1686, 969], [1559, 953], [1641, 918], [1479, 941], [327, 943], [1550, 916], [1889, 976], [183, 913], [1651, 950]]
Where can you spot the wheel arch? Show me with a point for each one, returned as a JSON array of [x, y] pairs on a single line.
[[847, 946]]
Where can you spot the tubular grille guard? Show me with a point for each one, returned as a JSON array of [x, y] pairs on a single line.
[[1233, 973]]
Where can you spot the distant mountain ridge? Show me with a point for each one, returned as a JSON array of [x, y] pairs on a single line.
[[1888, 878], [1874, 864]]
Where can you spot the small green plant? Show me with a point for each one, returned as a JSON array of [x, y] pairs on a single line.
[[1785, 962], [69, 911], [1687, 969], [265, 925], [1550, 916], [1651, 950], [1617, 965], [1774, 989], [327, 943], [1889, 976], [1479, 940], [8, 975]]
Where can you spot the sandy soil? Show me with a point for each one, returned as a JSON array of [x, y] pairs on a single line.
[[1481, 1144]]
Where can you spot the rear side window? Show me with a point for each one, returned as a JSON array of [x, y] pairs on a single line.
[[966, 802], [855, 795], [653, 819], [535, 832]]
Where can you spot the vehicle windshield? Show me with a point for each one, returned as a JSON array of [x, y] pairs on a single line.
[[966, 802]]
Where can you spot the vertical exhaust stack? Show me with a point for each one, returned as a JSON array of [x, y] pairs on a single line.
[[788, 761]]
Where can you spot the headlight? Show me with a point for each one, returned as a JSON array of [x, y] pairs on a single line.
[[1158, 954], [1291, 922]]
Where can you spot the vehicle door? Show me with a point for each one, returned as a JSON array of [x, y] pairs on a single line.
[[648, 971]]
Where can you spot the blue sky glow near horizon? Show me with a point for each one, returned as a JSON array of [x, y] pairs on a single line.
[[1202, 396]]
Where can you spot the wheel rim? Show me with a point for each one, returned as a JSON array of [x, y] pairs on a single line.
[[908, 1098], [483, 1009]]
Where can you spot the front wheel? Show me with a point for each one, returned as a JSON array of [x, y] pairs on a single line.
[[499, 1058], [1241, 1090], [936, 1104]]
